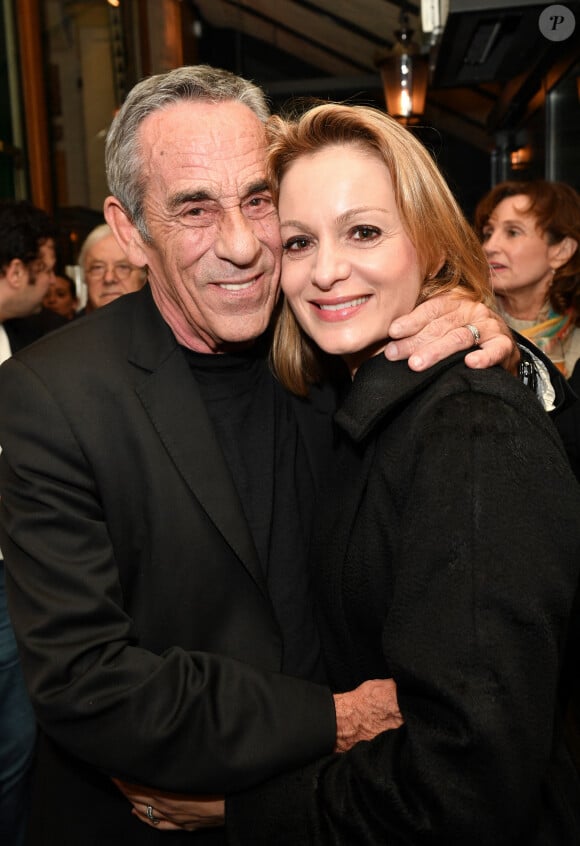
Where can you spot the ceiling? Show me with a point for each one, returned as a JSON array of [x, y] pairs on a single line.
[[329, 48]]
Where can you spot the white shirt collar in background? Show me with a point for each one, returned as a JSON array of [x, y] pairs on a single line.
[[5, 351]]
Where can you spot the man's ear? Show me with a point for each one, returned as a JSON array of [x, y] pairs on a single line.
[[16, 273], [562, 252], [125, 232]]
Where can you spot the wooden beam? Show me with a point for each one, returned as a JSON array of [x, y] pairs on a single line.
[[34, 100], [453, 124], [221, 14], [319, 28], [379, 19]]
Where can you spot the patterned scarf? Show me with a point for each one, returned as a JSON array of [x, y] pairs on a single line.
[[550, 335]]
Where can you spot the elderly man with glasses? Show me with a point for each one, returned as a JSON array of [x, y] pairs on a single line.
[[105, 269]]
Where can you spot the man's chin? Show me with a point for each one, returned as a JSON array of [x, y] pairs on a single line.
[[29, 310], [241, 337]]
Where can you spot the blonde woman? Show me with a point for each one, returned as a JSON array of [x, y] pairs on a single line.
[[439, 561]]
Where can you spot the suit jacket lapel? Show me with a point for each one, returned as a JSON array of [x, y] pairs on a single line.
[[170, 396]]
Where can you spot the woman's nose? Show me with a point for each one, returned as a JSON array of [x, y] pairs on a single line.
[[330, 266], [491, 243]]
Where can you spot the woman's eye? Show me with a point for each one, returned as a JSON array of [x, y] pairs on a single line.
[[295, 244], [365, 233]]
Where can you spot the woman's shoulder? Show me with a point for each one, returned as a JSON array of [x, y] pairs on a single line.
[[457, 411], [384, 389]]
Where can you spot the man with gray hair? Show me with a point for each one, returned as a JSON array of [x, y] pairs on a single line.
[[158, 487], [106, 272]]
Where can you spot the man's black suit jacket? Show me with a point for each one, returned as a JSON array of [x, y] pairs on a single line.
[[23, 331], [134, 586]]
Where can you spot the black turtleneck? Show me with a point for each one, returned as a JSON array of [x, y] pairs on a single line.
[[256, 426]]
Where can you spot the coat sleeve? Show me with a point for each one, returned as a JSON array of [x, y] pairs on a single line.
[[182, 720], [484, 571], [568, 424]]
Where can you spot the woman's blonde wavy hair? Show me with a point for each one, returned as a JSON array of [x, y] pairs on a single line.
[[449, 253]]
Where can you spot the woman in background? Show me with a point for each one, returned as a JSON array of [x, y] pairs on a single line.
[[61, 296], [530, 233]]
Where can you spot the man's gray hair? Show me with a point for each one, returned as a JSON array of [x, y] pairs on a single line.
[[122, 151]]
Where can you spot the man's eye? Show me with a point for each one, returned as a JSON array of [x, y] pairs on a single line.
[[204, 215], [258, 206]]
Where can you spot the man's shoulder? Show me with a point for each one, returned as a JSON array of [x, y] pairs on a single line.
[[101, 335], [23, 331]]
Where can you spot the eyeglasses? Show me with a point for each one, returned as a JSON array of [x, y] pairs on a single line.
[[120, 269]]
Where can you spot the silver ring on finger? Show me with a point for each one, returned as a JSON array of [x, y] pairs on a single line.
[[151, 816], [475, 332]]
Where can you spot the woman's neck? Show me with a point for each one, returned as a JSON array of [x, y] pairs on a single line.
[[523, 306], [354, 360]]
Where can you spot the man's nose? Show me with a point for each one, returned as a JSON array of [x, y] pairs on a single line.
[[110, 277], [236, 240]]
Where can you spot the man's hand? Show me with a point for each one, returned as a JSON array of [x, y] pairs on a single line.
[[437, 328], [366, 711], [173, 811]]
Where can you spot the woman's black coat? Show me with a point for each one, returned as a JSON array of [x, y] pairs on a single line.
[[448, 558]]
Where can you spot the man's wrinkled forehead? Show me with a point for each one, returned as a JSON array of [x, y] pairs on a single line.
[[199, 138]]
